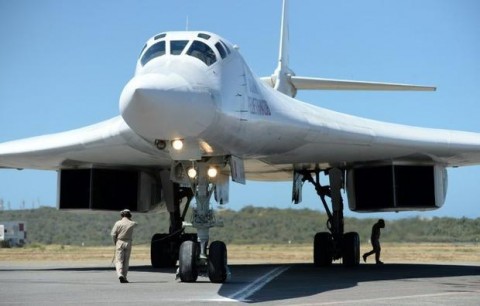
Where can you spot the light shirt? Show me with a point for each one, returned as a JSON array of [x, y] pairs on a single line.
[[123, 230]]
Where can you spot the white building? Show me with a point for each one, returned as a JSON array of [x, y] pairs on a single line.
[[13, 233]]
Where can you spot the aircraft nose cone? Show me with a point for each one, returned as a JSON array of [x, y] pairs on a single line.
[[160, 106]]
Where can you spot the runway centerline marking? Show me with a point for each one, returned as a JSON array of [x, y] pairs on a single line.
[[258, 284]]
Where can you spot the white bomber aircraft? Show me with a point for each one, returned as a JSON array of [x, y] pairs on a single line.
[[194, 116]]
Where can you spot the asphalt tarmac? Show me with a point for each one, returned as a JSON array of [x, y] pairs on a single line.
[[277, 284]]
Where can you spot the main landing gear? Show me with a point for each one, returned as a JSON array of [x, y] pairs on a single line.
[[335, 244], [195, 257], [164, 250]]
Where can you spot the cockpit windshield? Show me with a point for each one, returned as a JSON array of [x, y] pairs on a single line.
[[203, 52], [155, 50], [177, 46], [195, 48]]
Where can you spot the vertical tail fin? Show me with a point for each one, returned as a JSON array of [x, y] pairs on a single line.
[[283, 56], [281, 77]]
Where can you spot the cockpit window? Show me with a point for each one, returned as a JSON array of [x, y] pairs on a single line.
[[177, 46], [143, 49], [228, 50], [155, 50], [203, 52], [160, 36], [221, 50], [203, 35]]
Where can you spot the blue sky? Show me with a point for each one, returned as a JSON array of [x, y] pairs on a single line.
[[63, 65]]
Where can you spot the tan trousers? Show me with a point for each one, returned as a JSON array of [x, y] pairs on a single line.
[[122, 257]]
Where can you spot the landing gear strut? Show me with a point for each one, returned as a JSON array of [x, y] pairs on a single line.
[[335, 244], [164, 251], [195, 257], [195, 180]]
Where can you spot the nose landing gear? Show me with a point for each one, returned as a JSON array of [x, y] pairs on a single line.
[[195, 258]]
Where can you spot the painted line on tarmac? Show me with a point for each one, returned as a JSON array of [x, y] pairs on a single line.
[[243, 294]]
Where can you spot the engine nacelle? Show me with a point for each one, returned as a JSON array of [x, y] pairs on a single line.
[[396, 187], [108, 189]]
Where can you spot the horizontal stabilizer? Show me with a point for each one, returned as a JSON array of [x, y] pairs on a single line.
[[334, 84], [285, 81]]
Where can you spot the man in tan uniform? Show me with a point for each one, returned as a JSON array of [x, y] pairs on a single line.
[[122, 233]]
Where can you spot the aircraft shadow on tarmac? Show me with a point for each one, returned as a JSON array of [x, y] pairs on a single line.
[[302, 280]]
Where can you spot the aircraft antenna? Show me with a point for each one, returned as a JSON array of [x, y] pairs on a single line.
[[186, 24]]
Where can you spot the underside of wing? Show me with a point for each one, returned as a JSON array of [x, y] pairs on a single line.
[[110, 143]]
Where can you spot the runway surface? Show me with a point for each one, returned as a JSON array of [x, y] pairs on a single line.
[[291, 284]]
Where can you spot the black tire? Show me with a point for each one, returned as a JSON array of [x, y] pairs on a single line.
[[189, 252], [322, 249], [351, 249], [217, 262], [163, 251]]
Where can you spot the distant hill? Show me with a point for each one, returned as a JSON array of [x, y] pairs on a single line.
[[250, 225]]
